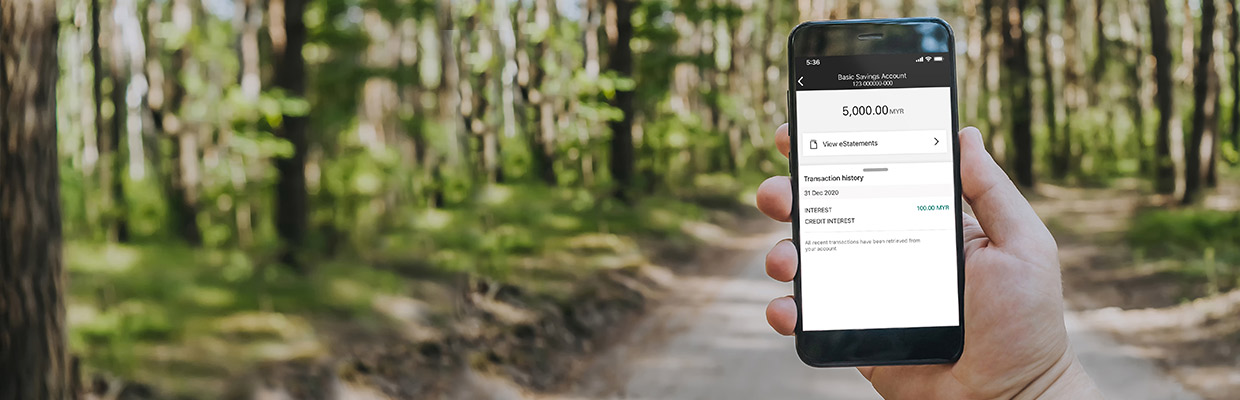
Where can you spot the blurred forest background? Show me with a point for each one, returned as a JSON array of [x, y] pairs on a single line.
[[250, 182]]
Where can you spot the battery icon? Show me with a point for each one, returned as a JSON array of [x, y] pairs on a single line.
[[938, 58]]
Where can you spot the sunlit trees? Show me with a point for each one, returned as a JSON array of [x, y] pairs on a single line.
[[1204, 133]]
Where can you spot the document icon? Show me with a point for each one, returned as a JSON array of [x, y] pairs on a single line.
[[813, 144]]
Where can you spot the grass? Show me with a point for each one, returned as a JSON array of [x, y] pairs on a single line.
[[188, 320], [162, 312], [1205, 243]]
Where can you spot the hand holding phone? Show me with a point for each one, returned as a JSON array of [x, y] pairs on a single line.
[[1012, 304], [1018, 346]]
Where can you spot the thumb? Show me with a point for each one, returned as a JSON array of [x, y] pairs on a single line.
[[1004, 214]]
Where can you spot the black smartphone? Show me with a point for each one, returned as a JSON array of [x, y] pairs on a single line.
[[876, 216]]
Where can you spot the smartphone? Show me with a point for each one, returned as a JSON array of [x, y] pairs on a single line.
[[875, 168]]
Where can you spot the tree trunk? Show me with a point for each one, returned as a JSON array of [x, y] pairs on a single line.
[[33, 353], [288, 34], [620, 33], [1058, 160], [250, 81], [449, 99], [248, 49], [1073, 97], [1204, 104], [183, 199], [96, 63], [1098, 68], [1234, 13], [474, 87], [1135, 51], [107, 138], [984, 65], [113, 164], [994, 79], [476, 102], [1212, 139], [182, 191], [1016, 85], [973, 62], [1164, 165], [854, 8], [542, 133]]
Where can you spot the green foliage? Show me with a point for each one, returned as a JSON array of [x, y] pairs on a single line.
[[504, 227], [1204, 244], [150, 311], [1187, 232], [134, 308]]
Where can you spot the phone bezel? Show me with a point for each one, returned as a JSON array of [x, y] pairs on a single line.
[[875, 347]]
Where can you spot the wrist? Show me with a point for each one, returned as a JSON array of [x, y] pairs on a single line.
[[1074, 383], [1066, 380]]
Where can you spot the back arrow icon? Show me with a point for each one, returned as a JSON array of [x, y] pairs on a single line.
[[799, 80]]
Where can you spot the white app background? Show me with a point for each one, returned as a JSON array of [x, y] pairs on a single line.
[[877, 209]]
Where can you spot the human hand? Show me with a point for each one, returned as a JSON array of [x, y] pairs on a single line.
[[1016, 345]]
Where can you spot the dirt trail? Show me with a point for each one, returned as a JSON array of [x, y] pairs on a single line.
[[1088, 225], [1137, 306], [710, 341], [708, 338]]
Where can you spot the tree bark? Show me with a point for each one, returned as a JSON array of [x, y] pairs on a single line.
[[975, 61], [1234, 14], [542, 130], [33, 355], [288, 35], [1204, 104], [182, 191], [112, 163], [1017, 86], [1164, 165], [993, 88], [476, 102], [107, 138], [620, 32], [250, 17], [1212, 140], [1058, 160], [1134, 50], [96, 63], [1073, 96], [1098, 68], [986, 14]]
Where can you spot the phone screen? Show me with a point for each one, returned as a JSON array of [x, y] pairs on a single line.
[[876, 191]]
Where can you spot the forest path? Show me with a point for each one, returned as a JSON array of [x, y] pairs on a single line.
[[709, 339], [1120, 307]]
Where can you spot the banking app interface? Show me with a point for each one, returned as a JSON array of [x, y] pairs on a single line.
[[876, 192]]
